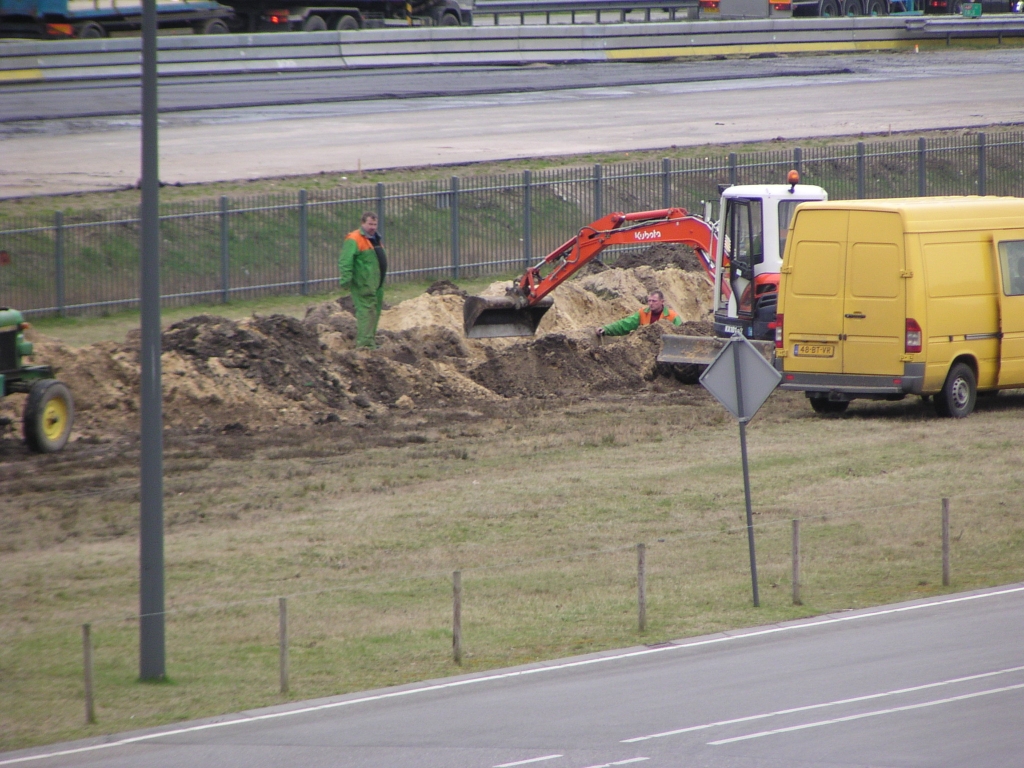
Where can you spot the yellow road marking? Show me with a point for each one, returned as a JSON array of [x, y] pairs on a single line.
[[740, 49], [21, 74]]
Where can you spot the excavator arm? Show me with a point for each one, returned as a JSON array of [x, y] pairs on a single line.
[[521, 310]]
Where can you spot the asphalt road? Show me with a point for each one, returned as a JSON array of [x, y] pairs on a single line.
[[933, 683], [498, 114]]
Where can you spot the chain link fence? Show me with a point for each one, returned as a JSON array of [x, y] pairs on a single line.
[[244, 247]]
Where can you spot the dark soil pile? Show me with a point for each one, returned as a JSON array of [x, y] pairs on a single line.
[[660, 256]]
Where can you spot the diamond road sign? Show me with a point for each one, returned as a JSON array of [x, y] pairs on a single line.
[[740, 378]]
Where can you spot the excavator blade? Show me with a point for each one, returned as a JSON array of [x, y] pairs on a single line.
[[701, 350], [491, 317]]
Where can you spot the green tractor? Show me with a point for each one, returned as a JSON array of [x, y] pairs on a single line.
[[49, 410]]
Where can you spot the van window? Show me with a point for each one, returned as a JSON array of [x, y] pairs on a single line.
[[959, 269], [1011, 262]]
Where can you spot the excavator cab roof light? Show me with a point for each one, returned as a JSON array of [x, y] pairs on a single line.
[[793, 178]]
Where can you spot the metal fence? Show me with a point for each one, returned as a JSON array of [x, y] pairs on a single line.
[[243, 247]]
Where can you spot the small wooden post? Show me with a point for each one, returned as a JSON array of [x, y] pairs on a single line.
[[457, 616], [641, 586], [796, 563], [90, 710], [945, 542], [282, 614]]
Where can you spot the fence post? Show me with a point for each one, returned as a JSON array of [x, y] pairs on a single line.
[[282, 640], [982, 166], [90, 710], [527, 219], [380, 208], [922, 178], [58, 258], [598, 205], [796, 563], [457, 616], [860, 170], [798, 160], [641, 586], [454, 211], [945, 542], [304, 242], [732, 168], [225, 262], [666, 183]]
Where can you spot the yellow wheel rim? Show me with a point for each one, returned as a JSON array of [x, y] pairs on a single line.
[[55, 418]]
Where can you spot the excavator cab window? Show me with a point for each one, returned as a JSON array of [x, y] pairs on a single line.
[[744, 242], [786, 209]]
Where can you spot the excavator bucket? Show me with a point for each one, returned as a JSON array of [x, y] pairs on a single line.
[[491, 317], [702, 350]]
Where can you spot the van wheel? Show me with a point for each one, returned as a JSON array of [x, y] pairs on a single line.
[[824, 405], [959, 393]]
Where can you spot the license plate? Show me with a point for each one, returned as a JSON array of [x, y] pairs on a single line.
[[733, 329], [814, 350]]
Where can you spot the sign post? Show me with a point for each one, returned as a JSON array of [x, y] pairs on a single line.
[[741, 380]]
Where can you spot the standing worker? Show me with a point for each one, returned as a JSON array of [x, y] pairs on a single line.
[[652, 313], [362, 267]]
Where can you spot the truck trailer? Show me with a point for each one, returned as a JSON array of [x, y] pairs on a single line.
[[90, 19]]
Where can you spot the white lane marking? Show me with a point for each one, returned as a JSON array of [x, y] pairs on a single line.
[[838, 702], [531, 760], [862, 715], [620, 762], [811, 624]]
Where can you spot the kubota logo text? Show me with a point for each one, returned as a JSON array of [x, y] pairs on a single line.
[[652, 235]]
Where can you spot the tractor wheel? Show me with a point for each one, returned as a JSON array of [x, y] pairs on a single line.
[[49, 414]]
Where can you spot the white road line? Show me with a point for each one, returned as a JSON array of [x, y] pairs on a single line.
[[811, 624], [838, 702], [531, 760], [861, 716], [620, 762]]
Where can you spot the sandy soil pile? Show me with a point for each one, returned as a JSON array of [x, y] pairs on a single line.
[[227, 375]]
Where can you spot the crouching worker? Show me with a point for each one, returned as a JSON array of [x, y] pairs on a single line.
[[652, 313], [362, 267]]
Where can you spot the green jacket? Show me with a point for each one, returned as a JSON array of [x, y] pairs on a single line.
[[360, 267], [630, 323]]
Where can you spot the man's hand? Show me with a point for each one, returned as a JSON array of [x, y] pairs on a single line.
[[600, 332]]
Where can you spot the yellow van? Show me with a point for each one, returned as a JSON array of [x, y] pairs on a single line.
[[884, 298]]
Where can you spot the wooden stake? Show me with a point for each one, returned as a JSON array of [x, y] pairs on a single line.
[[796, 563], [90, 710], [457, 616], [641, 586], [945, 542], [282, 614]]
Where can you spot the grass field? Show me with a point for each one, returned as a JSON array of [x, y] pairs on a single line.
[[540, 507]]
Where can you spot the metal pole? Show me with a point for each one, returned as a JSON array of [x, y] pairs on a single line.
[[304, 241], [666, 183], [282, 641], [641, 586], [945, 542], [380, 208], [457, 616], [58, 257], [798, 160], [454, 211], [922, 178], [598, 206], [90, 709], [796, 563], [982, 166], [151, 528], [860, 170], [225, 258], [746, 472], [527, 219], [732, 168]]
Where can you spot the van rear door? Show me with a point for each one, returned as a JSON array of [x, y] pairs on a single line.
[[1010, 258], [874, 311], [816, 276]]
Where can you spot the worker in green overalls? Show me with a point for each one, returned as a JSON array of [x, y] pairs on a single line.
[[361, 268]]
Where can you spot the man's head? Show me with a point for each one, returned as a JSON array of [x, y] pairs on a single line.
[[656, 301], [369, 223]]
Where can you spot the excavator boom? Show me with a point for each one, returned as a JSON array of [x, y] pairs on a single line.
[[521, 310]]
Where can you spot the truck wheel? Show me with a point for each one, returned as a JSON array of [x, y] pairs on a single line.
[[347, 24], [852, 8], [450, 20], [49, 414], [959, 393], [824, 405], [314, 23], [90, 31], [829, 8], [877, 8], [212, 27]]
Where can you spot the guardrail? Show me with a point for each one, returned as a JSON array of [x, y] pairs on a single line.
[[524, 8], [428, 46]]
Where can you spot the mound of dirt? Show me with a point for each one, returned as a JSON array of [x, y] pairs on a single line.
[[661, 256]]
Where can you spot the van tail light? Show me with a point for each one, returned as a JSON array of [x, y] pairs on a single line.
[[778, 331], [913, 343]]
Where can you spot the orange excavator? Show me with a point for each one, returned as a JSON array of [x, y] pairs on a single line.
[[520, 311]]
